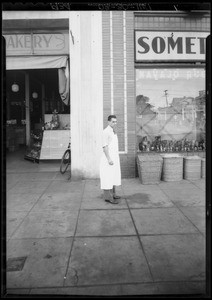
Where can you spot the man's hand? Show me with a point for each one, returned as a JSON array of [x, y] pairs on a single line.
[[106, 151], [110, 162]]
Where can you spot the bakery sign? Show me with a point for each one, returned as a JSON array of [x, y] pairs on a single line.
[[170, 45], [36, 43]]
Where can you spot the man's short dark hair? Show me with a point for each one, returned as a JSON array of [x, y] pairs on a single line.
[[111, 117]]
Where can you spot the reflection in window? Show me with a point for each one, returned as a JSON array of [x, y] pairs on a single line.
[[170, 109]]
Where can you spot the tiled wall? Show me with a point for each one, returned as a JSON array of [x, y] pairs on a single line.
[[119, 81], [181, 21]]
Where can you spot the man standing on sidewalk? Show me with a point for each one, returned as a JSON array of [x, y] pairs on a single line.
[[110, 173]]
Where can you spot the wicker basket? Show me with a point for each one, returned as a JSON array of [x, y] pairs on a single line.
[[172, 167], [149, 168], [192, 167], [203, 167]]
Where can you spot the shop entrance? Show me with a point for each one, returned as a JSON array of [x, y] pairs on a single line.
[[27, 118]]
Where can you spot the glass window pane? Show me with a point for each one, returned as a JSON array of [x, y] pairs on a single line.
[[170, 106]]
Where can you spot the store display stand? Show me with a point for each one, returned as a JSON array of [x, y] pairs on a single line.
[[33, 153], [30, 158]]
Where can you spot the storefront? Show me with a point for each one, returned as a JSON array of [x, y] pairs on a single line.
[[147, 67], [37, 78], [157, 67], [170, 96]]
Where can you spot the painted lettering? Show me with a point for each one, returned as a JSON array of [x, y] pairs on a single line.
[[10, 43], [47, 41], [172, 44], [189, 44], [162, 74], [27, 41], [163, 45], [158, 45], [202, 45], [37, 41], [148, 75], [18, 41], [158, 41], [143, 44]]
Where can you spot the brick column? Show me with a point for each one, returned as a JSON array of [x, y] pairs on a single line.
[[119, 82]]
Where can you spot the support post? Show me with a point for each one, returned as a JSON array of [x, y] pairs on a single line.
[[27, 102]]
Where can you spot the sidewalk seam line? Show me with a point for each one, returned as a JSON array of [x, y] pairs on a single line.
[[139, 240], [179, 206], [72, 244], [30, 210]]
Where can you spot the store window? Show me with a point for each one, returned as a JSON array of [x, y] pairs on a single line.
[[170, 109]]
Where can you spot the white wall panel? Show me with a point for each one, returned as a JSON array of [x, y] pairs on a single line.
[[86, 92]]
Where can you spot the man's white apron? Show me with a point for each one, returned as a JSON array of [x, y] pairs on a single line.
[[110, 175]]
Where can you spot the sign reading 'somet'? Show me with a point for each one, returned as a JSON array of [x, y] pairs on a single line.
[[170, 45], [36, 43]]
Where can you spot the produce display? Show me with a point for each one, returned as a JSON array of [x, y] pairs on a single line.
[[159, 145], [54, 123]]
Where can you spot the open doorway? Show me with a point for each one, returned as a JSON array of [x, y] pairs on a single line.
[[44, 98]]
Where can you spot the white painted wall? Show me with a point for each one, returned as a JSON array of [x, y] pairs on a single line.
[[86, 92]]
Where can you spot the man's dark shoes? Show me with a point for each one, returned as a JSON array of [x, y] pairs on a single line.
[[116, 197], [112, 201]]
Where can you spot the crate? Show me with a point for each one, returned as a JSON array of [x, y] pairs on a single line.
[[192, 168], [203, 167], [149, 168], [172, 167]]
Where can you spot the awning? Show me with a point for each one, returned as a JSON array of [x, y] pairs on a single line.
[[35, 62]]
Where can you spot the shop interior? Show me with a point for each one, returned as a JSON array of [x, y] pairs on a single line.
[[30, 118]]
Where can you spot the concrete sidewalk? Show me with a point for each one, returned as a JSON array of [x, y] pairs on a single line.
[[62, 238]]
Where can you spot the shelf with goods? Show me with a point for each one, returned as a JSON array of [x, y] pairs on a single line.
[[183, 147], [33, 151]]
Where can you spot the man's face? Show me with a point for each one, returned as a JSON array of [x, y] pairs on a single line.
[[113, 123]]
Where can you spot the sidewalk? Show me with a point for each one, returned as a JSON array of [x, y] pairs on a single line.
[[62, 238]]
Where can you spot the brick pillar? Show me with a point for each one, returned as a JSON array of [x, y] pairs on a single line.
[[119, 82]]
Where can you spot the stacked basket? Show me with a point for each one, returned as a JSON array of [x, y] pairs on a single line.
[[149, 168], [172, 167], [192, 167]]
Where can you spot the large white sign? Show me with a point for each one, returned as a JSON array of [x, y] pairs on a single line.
[[170, 45]]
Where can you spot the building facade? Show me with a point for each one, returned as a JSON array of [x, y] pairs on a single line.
[[146, 67]]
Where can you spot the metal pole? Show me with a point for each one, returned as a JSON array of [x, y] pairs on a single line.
[[43, 102], [166, 102], [27, 102], [166, 97]]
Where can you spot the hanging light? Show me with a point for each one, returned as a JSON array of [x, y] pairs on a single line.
[[15, 87], [34, 95]]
